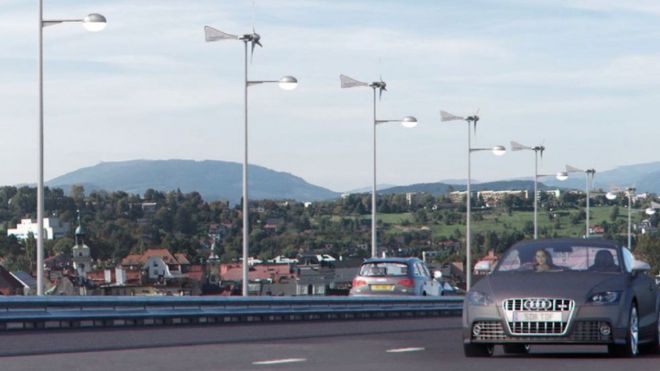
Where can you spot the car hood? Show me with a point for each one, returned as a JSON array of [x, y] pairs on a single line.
[[573, 285]]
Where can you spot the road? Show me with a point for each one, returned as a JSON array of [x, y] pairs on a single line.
[[409, 344]]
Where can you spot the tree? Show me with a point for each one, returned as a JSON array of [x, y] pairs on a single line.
[[648, 248], [63, 246], [614, 214], [78, 194]]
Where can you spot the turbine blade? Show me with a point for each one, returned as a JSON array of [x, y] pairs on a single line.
[[252, 51], [446, 116], [348, 82], [573, 169], [212, 34], [515, 146], [380, 93]]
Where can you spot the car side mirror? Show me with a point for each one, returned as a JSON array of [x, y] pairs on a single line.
[[640, 267]]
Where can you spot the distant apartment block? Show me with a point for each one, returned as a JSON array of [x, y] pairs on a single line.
[[410, 197], [493, 198], [53, 228]]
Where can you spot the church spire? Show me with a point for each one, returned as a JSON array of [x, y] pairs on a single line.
[[80, 233]]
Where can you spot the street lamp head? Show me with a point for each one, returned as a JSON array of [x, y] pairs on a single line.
[[288, 83], [499, 150], [409, 122], [94, 22], [562, 175], [610, 196]]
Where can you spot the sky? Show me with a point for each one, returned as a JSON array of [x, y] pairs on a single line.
[[581, 77]]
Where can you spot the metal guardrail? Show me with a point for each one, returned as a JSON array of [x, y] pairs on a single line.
[[30, 313]]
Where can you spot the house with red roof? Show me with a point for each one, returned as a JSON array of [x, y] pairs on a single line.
[[257, 272]]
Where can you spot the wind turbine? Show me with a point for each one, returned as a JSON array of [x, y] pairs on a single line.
[[407, 121], [538, 150], [287, 83], [498, 151]]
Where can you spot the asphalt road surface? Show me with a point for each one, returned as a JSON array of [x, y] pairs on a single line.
[[402, 345]]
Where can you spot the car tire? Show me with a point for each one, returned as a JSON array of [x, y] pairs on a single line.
[[631, 346], [516, 348], [478, 350], [654, 346]]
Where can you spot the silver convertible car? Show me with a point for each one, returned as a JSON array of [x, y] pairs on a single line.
[[563, 291]]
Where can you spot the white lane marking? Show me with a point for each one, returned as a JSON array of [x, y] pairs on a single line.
[[280, 361], [405, 350]]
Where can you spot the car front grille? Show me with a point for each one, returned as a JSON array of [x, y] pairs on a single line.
[[555, 305], [582, 332], [590, 331], [488, 330], [561, 309]]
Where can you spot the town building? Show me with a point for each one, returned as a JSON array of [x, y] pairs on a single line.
[[53, 228], [81, 255]]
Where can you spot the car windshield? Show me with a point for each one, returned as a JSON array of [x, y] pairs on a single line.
[[381, 269], [535, 258]]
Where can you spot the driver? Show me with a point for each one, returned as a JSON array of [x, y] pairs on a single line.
[[543, 261]]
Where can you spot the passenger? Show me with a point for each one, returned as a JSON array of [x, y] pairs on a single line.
[[543, 261], [604, 262]]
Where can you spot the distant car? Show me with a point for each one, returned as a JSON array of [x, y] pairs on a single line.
[[394, 276], [447, 289], [563, 291]]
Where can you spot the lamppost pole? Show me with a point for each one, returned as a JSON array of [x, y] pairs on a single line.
[[407, 121], [630, 192], [374, 245], [468, 205], [287, 83], [92, 22], [498, 151], [40, 185], [515, 146], [246, 217], [536, 194], [590, 178]]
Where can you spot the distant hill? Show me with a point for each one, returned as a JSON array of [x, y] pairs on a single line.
[[214, 180], [221, 180], [438, 189], [645, 177], [380, 187]]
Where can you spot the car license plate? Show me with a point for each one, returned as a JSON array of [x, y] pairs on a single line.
[[537, 316], [382, 287]]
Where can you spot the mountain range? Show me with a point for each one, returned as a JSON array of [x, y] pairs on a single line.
[[645, 177], [222, 180], [214, 180]]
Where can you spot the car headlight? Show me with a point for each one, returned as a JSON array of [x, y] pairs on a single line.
[[605, 297], [478, 298]]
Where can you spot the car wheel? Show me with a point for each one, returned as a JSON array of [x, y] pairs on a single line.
[[516, 348], [478, 350], [631, 347], [653, 346]]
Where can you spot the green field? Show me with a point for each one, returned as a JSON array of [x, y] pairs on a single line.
[[498, 221]]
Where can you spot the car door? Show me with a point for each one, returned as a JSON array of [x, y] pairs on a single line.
[[645, 291], [431, 286]]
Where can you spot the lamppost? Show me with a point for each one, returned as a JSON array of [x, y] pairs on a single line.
[[515, 146], [589, 173], [407, 121], [92, 22], [630, 193], [498, 151], [287, 83]]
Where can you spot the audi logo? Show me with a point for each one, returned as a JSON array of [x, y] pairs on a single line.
[[538, 304]]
